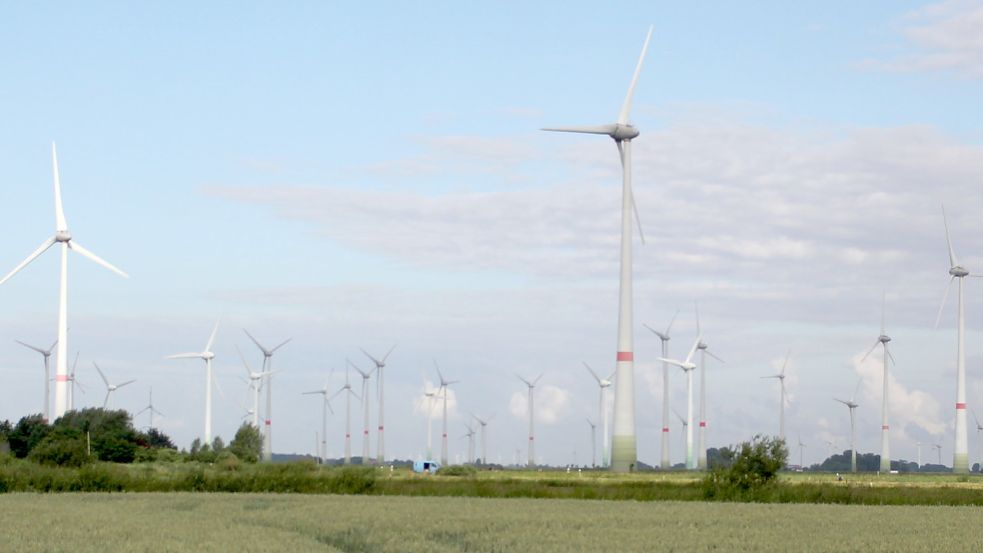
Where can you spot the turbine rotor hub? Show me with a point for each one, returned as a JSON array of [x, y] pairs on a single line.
[[208, 355], [958, 271], [63, 236], [624, 132], [883, 338]]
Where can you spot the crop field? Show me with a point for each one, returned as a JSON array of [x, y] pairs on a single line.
[[182, 522]]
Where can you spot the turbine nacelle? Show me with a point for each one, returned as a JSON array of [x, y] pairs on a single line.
[[624, 132], [958, 272], [63, 236], [883, 338]]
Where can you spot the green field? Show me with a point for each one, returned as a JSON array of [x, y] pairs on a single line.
[[299, 523]]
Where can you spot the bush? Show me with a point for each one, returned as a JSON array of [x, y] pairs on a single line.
[[247, 443], [457, 470], [747, 470], [62, 447], [28, 432]]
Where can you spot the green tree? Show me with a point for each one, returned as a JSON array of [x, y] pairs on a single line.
[[64, 446], [157, 440], [746, 468], [247, 443], [28, 432], [218, 445], [110, 432]]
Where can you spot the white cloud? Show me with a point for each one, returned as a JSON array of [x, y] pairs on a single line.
[[906, 406], [552, 404]]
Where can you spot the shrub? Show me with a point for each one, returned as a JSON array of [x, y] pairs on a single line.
[[746, 470], [63, 447], [28, 432], [457, 470], [247, 443]]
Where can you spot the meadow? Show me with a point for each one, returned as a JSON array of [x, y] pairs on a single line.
[[184, 522]]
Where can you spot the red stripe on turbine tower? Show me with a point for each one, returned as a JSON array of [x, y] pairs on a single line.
[[268, 422], [626, 356], [62, 378], [703, 424], [885, 427], [960, 406], [664, 429]]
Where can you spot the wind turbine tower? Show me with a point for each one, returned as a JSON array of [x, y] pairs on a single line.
[[852, 405], [348, 416], [64, 238], [602, 412], [882, 340], [624, 453], [664, 338], [960, 460], [781, 404], [365, 411], [47, 375], [379, 365], [702, 453], [593, 443], [268, 369], [531, 387], [325, 407], [484, 437], [442, 391]]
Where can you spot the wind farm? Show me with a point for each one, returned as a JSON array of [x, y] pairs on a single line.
[[383, 191]]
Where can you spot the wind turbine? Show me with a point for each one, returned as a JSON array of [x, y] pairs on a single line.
[[602, 413], [47, 374], [348, 416], [781, 404], [624, 454], [688, 366], [960, 461], [255, 382], [64, 238], [110, 388], [484, 436], [979, 430], [593, 443], [206, 355], [74, 382], [664, 338], [919, 446], [267, 368], [443, 387], [150, 409], [701, 457], [852, 405], [938, 448], [802, 447], [365, 410], [687, 436], [470, 437], [531, 386], [325, 407], [882, 340], [379, 365]]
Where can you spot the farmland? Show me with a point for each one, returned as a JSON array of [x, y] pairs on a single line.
[[266, 522]]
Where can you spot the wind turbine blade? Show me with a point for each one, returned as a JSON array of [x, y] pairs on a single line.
[[871, 350], [436, 366], [314, 392], [183, 356], [952, 254], [714, 356], [281, 344], [374, 360], [883, 310], [891, 357], [594, 374], [34, 255], [785, 364], [141, 411], [60, 223], [245, 364], [696, 344], [857, 389], [679, 364], [524, 380], [537, 379], [211, 339], [37, 349], [118, 386], [626, 106], [841, 401], [73, 245], [386, 356], [100, 373], [671, 321], [945, 296], [254, 341], [638, 219], [586, 129]]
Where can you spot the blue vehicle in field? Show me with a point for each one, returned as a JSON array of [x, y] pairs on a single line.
[[428, 467]]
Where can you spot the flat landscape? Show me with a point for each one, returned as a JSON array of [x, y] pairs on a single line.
[[259, 522]]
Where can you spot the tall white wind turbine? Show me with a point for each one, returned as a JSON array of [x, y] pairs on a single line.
[[470, 436], [267, 368], [938, 448], [852, 405], [442, 391], [664, 338], [365, 410], [66, 240], [379, 365], [979, 432], [960, 451], [602, 413], [484, 436], [781, 403], [531, 385], [802, 448], [74, 383], [325, 407], [687, 437], [593, 443], [110, 388], [624, 454], [882, 340], [47, 375], [255, 382], [348, 415], [206, 355], [688, 367], [149, 409], [701, 454]]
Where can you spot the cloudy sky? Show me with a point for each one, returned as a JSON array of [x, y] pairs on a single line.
[[368, 176]]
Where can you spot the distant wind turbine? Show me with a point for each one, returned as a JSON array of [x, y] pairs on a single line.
[[74, 383], [960, 456], [255, 382], [882, 340], [470, 436], [484, 436], [110, 388], [852, 405], [365, 410], [268, 369], [624, 454], [66, 240], [206, 355], [701, 456], [379, 365], [781, 404], [531, 385], [47, 374], [687, 436], [979, 431], [688, 366], [802, 447], [664, 338], [348, 415], [149, 409], [443, 388], [602, 412], [325, 407], [593, 443]]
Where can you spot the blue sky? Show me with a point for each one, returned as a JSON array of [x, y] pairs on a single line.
[[360, 176]]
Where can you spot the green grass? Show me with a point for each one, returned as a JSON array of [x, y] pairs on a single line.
[[186, 522]]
